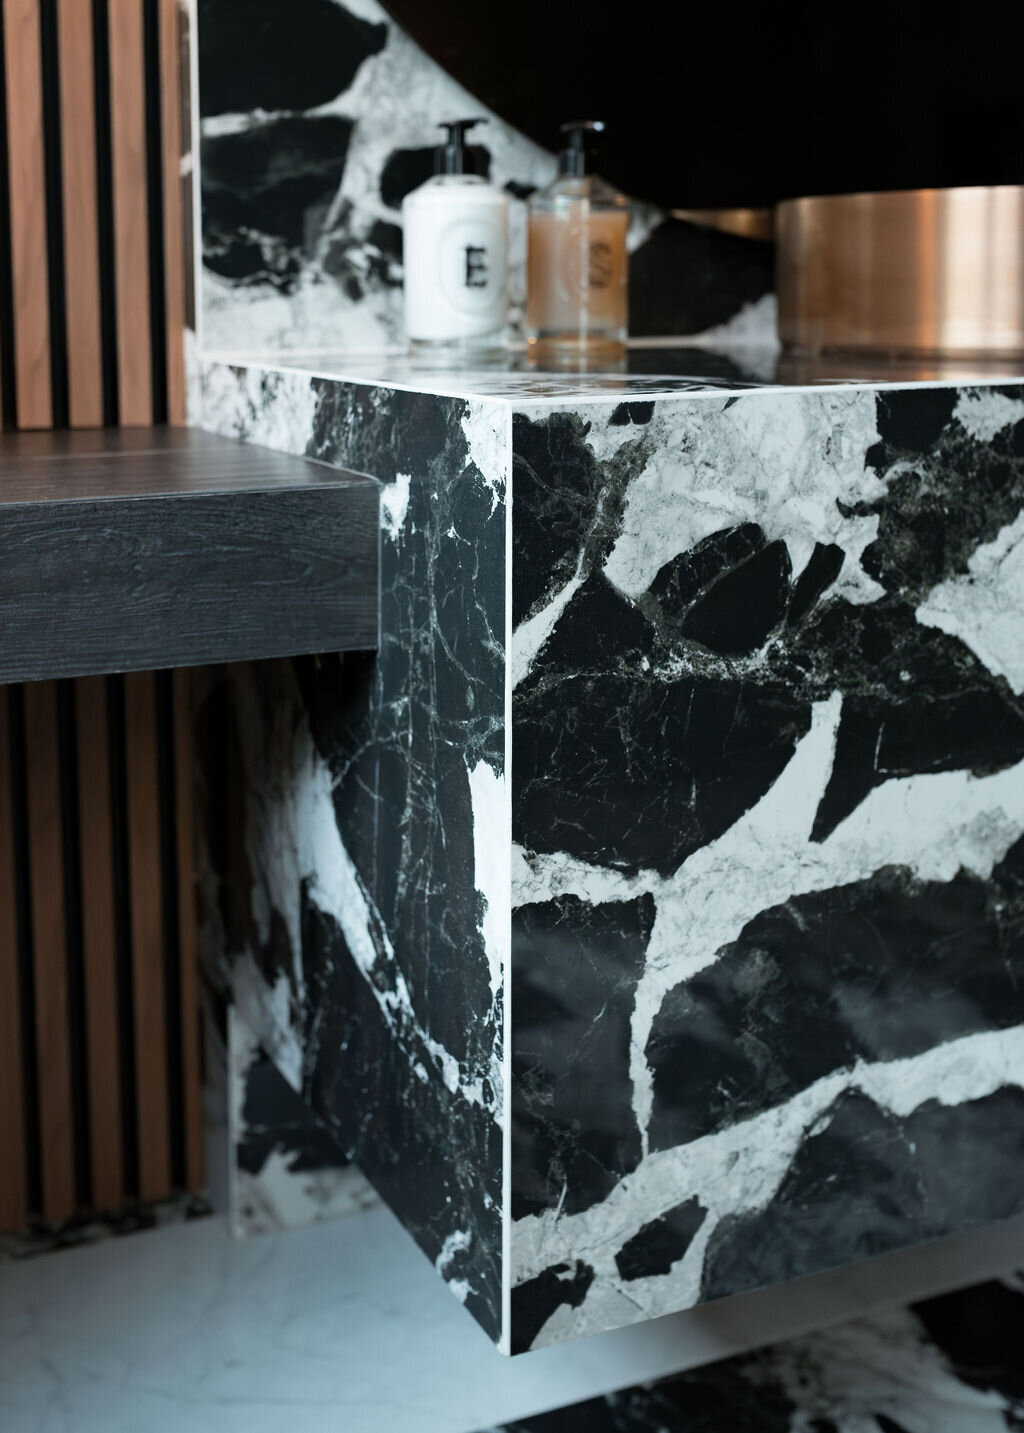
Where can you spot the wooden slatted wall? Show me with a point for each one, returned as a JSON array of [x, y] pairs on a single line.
[[99, 1046], [99, 1058], [91, 271]]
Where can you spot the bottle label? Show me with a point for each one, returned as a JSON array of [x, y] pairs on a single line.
[[592, 262], [471, 256], [601, 269], [476, 266]]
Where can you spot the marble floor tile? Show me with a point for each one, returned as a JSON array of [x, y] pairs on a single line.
[[344, 1328]]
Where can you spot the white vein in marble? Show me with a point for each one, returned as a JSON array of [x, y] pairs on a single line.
[[982, 607]]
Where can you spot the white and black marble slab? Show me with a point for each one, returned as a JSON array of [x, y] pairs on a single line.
[[315, 119], [646, 918], [375, 928], [646, 371], [947, 1365]]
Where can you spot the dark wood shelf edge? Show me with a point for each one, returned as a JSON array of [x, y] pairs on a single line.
[[145, 549]]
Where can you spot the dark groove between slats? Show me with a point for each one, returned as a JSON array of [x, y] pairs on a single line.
[[105, 203], [155, 198], [54, 211], [26, 972], [171, 932], [74, 954], [125, 991]]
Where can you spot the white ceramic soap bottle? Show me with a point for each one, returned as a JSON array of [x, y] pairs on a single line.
[[455, 255]]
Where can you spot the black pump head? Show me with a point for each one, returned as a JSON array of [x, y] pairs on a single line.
[[580, 148], [450, 157]]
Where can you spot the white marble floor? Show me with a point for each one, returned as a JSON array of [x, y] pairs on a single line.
[[345, 1328]]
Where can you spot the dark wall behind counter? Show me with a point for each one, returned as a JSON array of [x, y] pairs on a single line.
[[747, 103]]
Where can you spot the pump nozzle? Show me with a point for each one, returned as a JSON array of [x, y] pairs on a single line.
[[580, 146], [450, 157]]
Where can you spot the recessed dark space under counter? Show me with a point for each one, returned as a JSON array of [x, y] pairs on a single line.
[[654, 931], [133, 549]]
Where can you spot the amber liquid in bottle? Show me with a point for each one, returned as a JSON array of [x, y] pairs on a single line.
[[578, 268], [577, 278]]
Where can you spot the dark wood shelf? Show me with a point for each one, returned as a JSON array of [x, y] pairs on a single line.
[[133, 549]]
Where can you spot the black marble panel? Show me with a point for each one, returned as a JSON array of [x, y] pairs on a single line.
[[535, 1300], [866, 1181], [880, 970], [574, 1132], [276, 1120], [377, 925], [661, 1243]]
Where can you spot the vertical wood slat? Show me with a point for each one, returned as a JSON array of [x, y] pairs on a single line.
[[99, 942], [184, 815], [147, 934], [49, 938], [171, 73], [29, 274], [13, 1186], [81, 219], [131, 224]]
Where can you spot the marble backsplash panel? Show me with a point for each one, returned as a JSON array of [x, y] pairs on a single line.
[[315, 119]]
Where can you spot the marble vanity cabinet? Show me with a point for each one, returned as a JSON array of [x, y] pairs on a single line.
[[646, 918]]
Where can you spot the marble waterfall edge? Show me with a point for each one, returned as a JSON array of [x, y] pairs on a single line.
[[766, 866], [374, 817]]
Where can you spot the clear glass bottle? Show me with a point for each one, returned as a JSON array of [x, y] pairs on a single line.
[[578, 268]]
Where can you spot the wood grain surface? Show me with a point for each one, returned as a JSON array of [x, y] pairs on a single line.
[[173, 71], [29, 271], [81, 216], [131, 219], [187, 575]]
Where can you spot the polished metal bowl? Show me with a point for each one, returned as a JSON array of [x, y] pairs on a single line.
[[918, 272]]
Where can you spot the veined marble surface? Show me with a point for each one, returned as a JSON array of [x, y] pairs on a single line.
[[712, 700], [647, 370]]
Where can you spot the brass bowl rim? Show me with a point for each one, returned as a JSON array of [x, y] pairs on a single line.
[[808, 199]]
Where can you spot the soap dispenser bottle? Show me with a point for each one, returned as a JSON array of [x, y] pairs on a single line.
[[455, 254], [577, 275]]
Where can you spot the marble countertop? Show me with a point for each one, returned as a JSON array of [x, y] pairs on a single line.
[[647, 370]]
